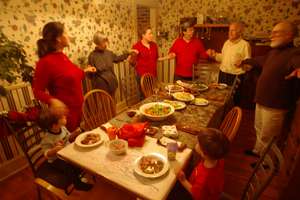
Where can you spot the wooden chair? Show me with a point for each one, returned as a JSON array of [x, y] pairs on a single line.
[[98, 108], [231, 122], [267, 167], [56, 184], [148, 84]]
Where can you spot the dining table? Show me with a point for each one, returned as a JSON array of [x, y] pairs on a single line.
[[189, 120], [120, 170]]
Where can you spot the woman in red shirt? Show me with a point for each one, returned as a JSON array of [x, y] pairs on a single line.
[[207, 179], [147, 55], [57, 81]]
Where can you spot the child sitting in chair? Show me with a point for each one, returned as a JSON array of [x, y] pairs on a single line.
[[57, 137], [207, 179]]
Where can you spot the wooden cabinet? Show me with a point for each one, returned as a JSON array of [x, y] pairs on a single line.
[[212, 35]]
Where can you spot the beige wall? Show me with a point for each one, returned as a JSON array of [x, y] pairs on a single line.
[[22, 21], [259, 15]]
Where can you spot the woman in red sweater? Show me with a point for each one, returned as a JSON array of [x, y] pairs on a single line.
[[57, 81], [146, 55]]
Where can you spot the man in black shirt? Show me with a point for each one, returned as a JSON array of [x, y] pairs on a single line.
[[277, 88]]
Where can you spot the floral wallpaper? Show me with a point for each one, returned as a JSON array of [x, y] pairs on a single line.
[[258, 15], [22, 21]]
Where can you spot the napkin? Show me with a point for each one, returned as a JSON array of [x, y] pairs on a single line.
[[170, 131], [134, 133]]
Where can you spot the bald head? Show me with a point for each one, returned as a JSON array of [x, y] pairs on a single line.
[[283, 33], [289, 27], [235, 31]]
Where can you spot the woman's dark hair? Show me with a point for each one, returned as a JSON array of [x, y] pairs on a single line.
[[213, 143], [47, 44]]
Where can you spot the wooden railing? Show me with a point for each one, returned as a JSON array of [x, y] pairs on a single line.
[[11, 155], [21, 95]]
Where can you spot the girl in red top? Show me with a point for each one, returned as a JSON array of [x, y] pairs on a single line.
[[207, 179], [147, 54], [57, 81]]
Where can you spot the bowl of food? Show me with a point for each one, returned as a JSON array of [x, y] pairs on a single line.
[[152, 165], [118, 146], [88, 139], [157, 111]]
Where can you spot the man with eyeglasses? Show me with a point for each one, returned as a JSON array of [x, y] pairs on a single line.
[[278, 86]]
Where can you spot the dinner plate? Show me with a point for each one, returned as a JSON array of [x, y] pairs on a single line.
[[183, 96], [174, 88], [222, 86], [164, 170], [200, 102], [178, 105], [200, 87], [81, 137]]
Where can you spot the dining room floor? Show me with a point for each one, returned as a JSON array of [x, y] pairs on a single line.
[[237, 171]]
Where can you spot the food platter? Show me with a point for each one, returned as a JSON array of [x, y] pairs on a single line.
[[199, 87], [152, 165], [157, 111], [174, 88], [220, 86], [88, 139], [201, 102], [183, 96], [178, 105]]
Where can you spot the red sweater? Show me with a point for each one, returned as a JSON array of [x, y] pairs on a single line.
[[207, 183], [187, 54], [56, 73], [146, 59]]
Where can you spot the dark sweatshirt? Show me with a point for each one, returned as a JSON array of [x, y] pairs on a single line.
[[272, 90], [105, 77]]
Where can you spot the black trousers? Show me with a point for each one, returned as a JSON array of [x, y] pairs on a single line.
[[69, 170], [229, 80]]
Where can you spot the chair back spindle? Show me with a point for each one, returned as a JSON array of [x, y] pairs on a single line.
[[231, 122], [148, 83], [98, 108]]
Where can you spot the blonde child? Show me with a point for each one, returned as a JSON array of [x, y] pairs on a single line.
[[57, 137]]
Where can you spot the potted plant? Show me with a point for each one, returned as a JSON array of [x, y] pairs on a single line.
[[13, 62]]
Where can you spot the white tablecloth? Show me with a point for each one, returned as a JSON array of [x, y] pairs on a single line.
[[120, 169]]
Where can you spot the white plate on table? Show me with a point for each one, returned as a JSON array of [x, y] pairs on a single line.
[[155, 156], [222, 86], [178, 105], [183, 96], [82, 136], [174, 88], [200, 87], [201, 102]]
